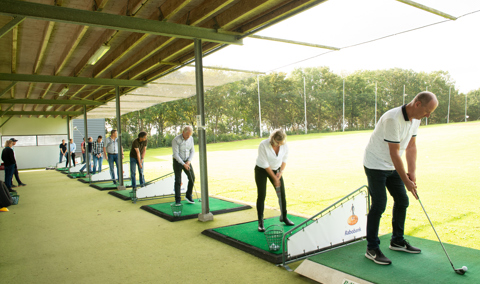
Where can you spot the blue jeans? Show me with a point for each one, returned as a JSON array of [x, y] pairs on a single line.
[[61, 156], [85, 166], [377, 181], [133, 164], [111, 159], [99, 161], [9, 170]]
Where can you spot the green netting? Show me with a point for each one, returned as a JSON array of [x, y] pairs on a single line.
[[190, 209], [248, 232], [430, 266]]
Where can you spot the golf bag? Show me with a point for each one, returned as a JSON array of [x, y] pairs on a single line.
[[5, 197]]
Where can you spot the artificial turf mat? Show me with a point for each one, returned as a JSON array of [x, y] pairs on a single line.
[[77, 175], [122, 194], [246, 237], [430, 266], [125, 194], [111, 185], [190, 211]]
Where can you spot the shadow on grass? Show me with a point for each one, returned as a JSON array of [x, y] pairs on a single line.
[[436, 224]]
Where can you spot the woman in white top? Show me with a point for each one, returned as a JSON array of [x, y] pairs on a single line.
[[271, 161]]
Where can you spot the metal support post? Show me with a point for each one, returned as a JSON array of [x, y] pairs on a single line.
[[259, 107], [375, 103], [305, 104], [87, 160], [69, 156], [120, 186], [448, 111], [206, 215], [343, 115]]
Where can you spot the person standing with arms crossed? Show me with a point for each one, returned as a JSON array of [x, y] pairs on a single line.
[[111, 147], [394, 134], [183, 151], [97, 154]]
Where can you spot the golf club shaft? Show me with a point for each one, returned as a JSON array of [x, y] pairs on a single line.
[[194, 187], [436, 234]]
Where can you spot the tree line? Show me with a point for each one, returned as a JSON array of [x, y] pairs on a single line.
[[232, 110]]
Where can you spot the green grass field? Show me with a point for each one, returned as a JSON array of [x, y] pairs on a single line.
[[325, 167]]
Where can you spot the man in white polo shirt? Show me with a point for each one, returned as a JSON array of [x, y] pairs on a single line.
[[394, 133]]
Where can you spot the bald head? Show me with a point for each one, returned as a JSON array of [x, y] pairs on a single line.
[[425, 98], [423, 105]]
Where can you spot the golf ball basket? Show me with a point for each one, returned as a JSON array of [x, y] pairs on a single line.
[[176, 209], [15, 198], [274, 235]]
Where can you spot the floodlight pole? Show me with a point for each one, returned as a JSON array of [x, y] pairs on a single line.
[[403, 95], [259, 107], [87, 160], [305, 103], [448, 111], [68, 142], [465, 107], [120, 186], [343, 119], [375, 103], [206, 215], [426, 118]]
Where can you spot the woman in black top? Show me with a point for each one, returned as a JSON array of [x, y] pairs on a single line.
[[9, 162]]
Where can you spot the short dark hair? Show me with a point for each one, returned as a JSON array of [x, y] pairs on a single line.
[[99, 136], [142, 134], [113, 131]]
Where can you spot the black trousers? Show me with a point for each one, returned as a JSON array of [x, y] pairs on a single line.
[[261, 177], [17, 177], [177, 169], [68, 156]]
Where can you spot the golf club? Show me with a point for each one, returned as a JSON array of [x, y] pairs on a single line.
[[460, 271], [194, 187]]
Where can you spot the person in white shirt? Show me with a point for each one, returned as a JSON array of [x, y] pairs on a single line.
[[394, 134], [71, 153], [183, 150], [270, 164]]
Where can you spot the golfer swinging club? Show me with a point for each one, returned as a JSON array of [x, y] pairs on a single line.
[[183, 151], [394, 133], [271, 161]]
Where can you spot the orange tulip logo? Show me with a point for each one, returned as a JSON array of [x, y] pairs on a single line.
[[353, 219]]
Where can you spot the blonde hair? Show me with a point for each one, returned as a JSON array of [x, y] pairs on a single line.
[[278, 137], [8, 143]]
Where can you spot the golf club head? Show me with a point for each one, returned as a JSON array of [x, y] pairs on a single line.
[[460, 271]]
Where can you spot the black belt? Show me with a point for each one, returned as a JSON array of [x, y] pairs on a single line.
[[112, 153]]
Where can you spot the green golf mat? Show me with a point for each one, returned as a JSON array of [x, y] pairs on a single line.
[[190, 211], [122, 194], [430, 266], [77, 175], [111, 185], [246, 237]]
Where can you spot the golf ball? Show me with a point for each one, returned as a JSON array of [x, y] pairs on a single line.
[[464, 268], [274, 247]]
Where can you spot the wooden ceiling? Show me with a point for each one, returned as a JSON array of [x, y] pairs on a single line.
[[55, 44]]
